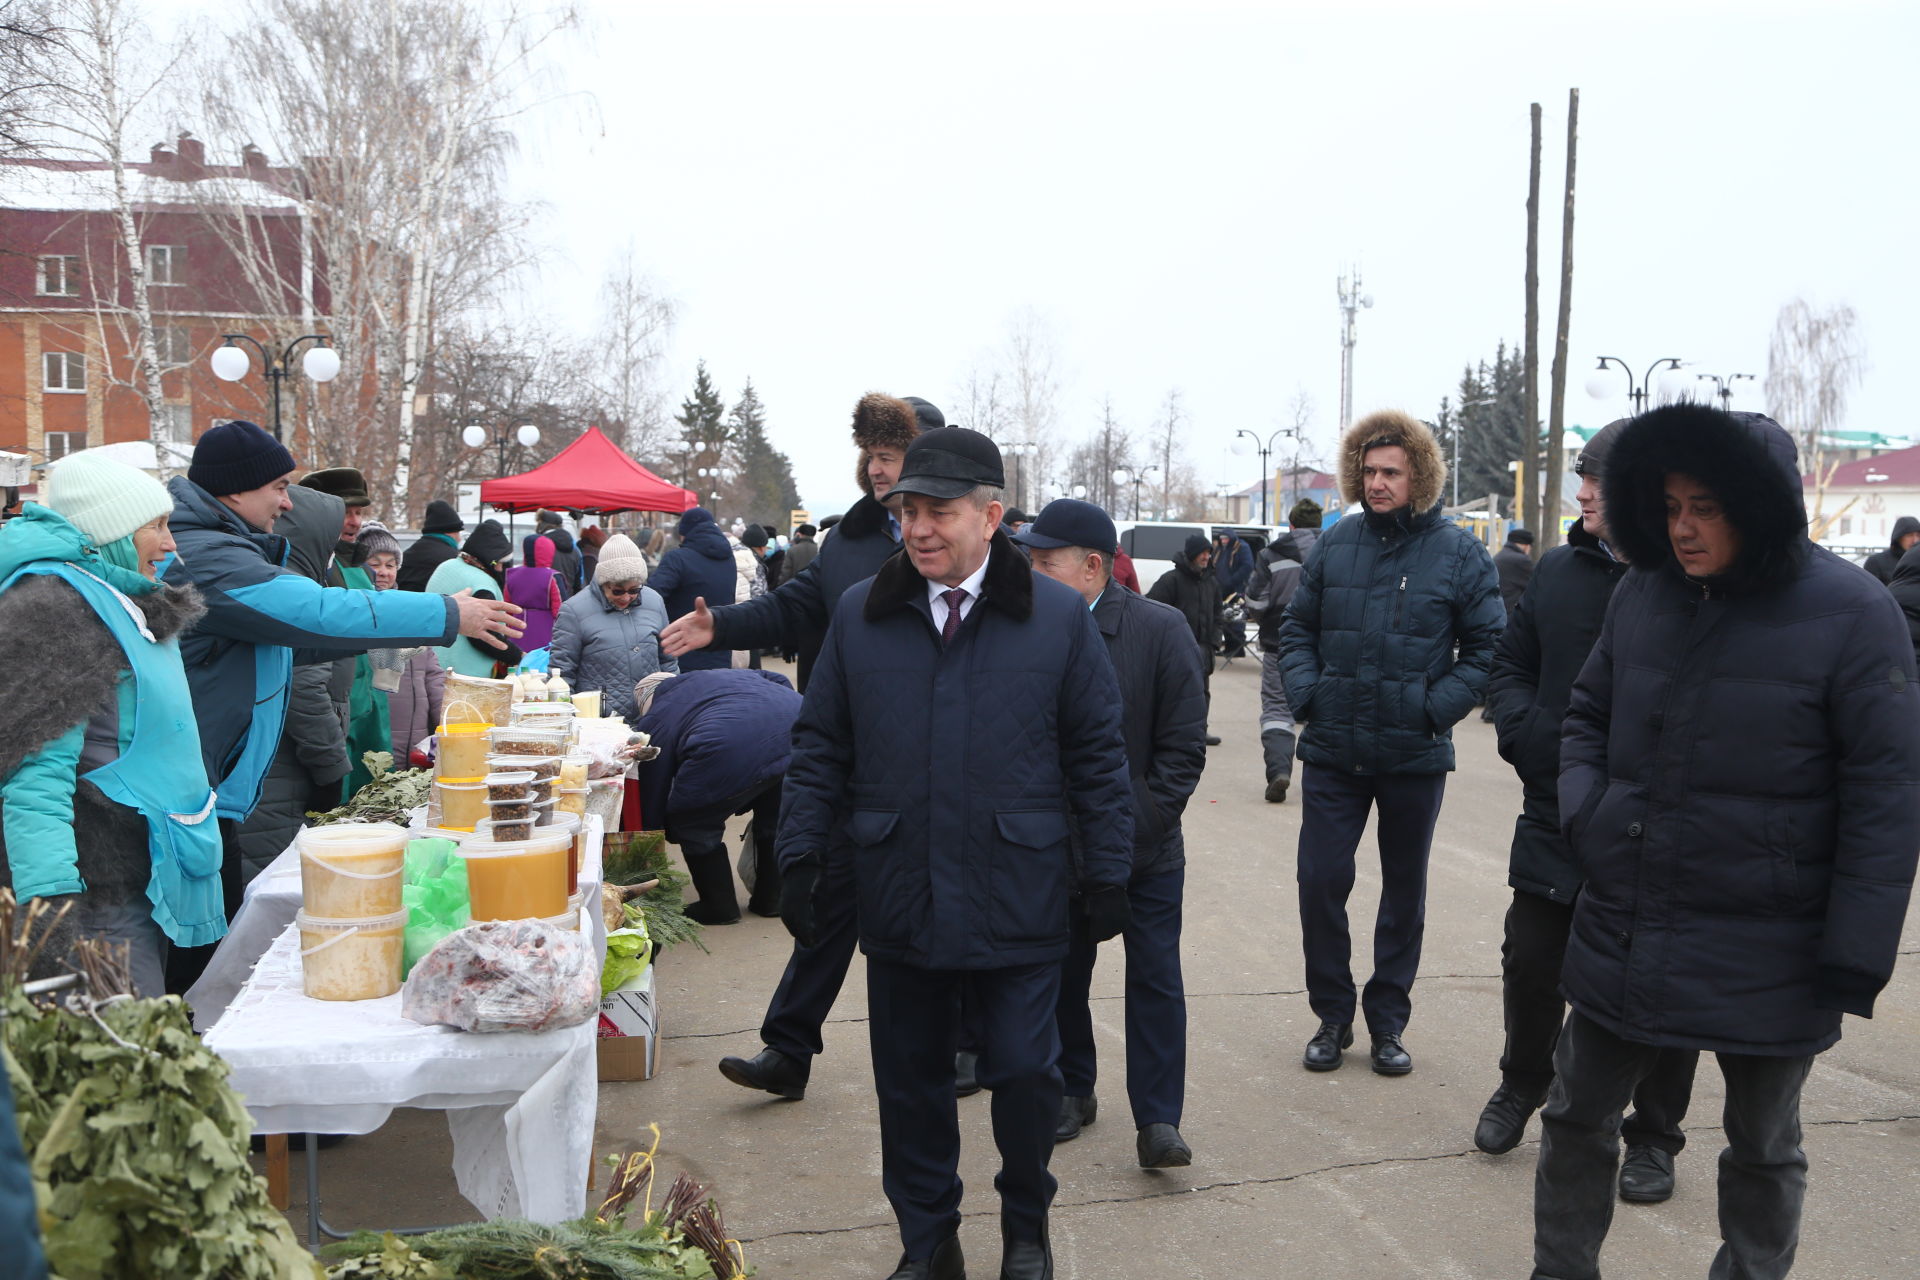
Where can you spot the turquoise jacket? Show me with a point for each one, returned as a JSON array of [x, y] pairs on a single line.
[[458, 655], [155, 769]]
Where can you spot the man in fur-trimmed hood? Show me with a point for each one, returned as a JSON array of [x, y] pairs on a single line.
[[1367, 653]]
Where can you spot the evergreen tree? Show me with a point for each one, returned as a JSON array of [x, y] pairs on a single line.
[[764, 491], [1489, 425], [701, 418]]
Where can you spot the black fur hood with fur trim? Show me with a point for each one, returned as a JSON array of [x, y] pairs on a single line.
[[1749, 462], [1427, 469]]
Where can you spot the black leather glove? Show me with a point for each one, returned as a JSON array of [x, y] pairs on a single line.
[[1108, 912], [797, 885]]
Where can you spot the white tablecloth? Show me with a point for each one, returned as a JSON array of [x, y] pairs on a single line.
[[520, 1105]]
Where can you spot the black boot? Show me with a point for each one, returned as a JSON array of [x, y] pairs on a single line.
[[966, 1077], [1075, 1115], [713, 880], [1504, 1121], [1025, 1258], [770, 1071]]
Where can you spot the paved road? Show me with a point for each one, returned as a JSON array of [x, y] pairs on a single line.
[[1295, 1174]]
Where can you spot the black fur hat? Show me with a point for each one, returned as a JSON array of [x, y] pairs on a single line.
[[1747, 460]]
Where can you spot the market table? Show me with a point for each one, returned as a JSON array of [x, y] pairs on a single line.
[[520, 1105]]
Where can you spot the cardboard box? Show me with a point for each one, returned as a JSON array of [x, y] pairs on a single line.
[[629, 1031]]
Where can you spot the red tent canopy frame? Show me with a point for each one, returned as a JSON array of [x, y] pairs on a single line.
[[589, 475]]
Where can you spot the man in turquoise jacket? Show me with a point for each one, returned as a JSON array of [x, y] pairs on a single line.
[[240, 659]]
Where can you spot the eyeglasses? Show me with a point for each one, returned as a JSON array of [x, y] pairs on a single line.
[[621, 591]]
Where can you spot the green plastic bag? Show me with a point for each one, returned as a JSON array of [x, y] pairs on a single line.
[[629, 951], [434, 895]]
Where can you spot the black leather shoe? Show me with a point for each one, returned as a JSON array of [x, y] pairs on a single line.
[[1390, 1057], [966, 1078], [1504, 1122], [1026, 1259], [770, 1071], [1323, 1051], [768, 907], [1075, 1115], [1277, 789], [947, 1263], [1213, 740], [701, 913], [1646, 1176], [1161, 1147]]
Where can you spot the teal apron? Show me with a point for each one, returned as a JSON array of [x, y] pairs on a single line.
[[160, 774]]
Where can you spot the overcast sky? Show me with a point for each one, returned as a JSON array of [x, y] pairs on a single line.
[[851, 197]]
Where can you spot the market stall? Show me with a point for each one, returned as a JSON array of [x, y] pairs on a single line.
[[592, 475]]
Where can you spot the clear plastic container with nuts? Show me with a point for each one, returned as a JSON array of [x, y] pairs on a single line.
[[538, 766], [516, 785], [529, 740]]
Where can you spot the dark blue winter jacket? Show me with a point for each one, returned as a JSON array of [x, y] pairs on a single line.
[[1740, 764], [949, 776], [701, 567], [240, 658], [796, 612], [721, 734], [1367, 646]]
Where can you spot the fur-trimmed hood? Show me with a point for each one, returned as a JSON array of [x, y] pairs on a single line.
[[1426, 468], [1747, 459], [1008, 585]]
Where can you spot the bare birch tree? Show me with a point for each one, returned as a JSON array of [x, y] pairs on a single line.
[[1168, 427], [400, 114], [1815, 359], [636, 320]]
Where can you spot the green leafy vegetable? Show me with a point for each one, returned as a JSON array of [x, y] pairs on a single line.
[[628, 951]]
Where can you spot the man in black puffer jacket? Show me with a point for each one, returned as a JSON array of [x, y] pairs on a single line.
[[1550, 632], [1276, 576], [1740, 782], [1367, 651], [1906, 535], [1906, 593], [1191, 587]]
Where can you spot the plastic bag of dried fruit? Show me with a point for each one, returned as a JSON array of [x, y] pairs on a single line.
[[505, 975]]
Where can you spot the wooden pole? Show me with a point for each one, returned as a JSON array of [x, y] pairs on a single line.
[[1557, 414], [1528, 512]]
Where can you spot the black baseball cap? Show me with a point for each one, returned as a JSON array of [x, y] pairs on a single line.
[[949, 462], [1069, 522]]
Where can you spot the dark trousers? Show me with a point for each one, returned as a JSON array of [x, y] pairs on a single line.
[[913, 1022], [1156, 1012], [702, 837], [1530, 958], [186, 964], [1763, 1171], [814, 974], [1334, 814]]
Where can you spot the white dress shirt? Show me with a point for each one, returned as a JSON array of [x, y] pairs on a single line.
[[936, 595]]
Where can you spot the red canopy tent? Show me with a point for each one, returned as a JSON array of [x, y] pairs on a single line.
[[591, 474]]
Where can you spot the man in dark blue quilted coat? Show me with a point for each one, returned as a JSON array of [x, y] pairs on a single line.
[[1740, 783], [961, 730], [1367, 651]]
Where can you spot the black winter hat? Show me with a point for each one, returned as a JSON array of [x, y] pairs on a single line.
[[1197, 546], [805, 531], [948, 462], [344, 483], [488, 543], [1522, 536], [1306, 514], [929, 417], [753, 536], [1592, 459], [442, 518], [238, 456]]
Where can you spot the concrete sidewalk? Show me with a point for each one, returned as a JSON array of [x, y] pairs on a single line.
[[1295, 1174]]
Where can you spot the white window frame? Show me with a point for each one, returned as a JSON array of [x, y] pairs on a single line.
[[70, 364], [177, 426], [175, 257], [67, 448], [168, 336], [69, 275]]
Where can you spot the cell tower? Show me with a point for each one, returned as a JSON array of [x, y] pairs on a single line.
[[1351, 301]]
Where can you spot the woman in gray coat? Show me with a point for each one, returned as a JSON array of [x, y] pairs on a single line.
[[608, 636]]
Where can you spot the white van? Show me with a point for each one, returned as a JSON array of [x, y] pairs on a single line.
[[1155, 544]]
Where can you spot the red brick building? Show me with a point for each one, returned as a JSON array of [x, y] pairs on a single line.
[[67, 333]]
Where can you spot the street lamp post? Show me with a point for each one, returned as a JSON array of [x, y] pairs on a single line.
[[230, 363], [1723, 387], [1265, 449], [1124, 477], [1672, 384], [1019, 451], [1464, 405], [475, 436]]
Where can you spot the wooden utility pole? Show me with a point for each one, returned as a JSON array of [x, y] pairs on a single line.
[[1557, 413], [1529, 511]]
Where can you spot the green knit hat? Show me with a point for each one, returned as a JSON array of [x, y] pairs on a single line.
[[105, 499], [1305, 514]]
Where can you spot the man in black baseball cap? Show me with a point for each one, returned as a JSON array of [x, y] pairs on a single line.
[[1163, 710], [964, 863]]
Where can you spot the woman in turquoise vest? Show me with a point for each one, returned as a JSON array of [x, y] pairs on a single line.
[[104, 800]]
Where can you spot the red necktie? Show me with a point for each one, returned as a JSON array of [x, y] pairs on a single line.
[[953, 599]]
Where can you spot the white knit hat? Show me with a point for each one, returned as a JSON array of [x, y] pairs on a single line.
[[105, 499], [620, 561]]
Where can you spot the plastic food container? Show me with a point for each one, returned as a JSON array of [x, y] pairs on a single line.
[[509, 786], [529, 740], [440, 833], [351, 871], [460, 751], [543, 813], [576, 830], [461, 804], [538, 766], [573, 770], [517, 880], [537, 713], [503, 830], [586, 703], [570, 800], [510, 810], [541, 790], [350, 959], [488, 700]]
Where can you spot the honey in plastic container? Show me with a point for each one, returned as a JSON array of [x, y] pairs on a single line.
[[350, 959], [461, 804], [575, 827], [460, 751], [518, 880], [351, 871]]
